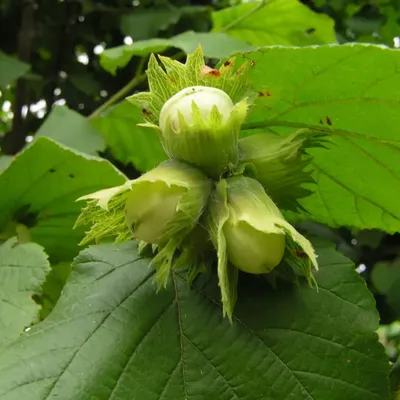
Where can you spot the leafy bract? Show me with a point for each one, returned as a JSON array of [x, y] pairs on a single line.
[[283, 22], [214, 44], [111, 336], [280, 163], [165, 82], [11, 69], [128, 142], [322, 88], [71, 129], [39, 190], [23, 270]]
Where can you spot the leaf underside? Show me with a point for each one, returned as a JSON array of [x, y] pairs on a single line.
[[322, 89]]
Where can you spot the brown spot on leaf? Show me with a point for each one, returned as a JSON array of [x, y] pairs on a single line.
[[264, 93], [300, 253], [227, 63], [328, 121], [252, 63], [146, 112], [321, 122], [309, 31], [209, 71]]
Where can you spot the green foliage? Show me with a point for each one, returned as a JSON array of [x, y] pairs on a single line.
[[11, 69], [321, 88], [128, 142], [386, 279], [150, 22], [23, 270], [174, 345], [72, 130], [5, 161], [285, 22], [39, 190], [364, 21], [214, 44], [51, 290], [104, 330]]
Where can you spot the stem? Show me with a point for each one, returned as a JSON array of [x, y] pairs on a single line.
[[139, 77], [244, 16]]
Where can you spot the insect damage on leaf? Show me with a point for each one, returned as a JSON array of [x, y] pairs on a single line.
[[264, 93]]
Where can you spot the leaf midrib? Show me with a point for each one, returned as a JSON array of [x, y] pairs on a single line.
[[254, 334], [317, 128]]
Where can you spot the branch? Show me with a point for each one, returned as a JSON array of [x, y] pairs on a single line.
[[139, 77], [15, 139]]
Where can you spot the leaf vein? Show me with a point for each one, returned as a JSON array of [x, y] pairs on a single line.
[[337, 380], [326, 69], [162, 313], [330, 341], [318, 191], [258, 338], [371, 157], [341, 298], [351, 191], [169, 379], [181, 335], [213, 366], [317, 128]]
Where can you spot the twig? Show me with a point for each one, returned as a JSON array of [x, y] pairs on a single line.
[[139, 77]]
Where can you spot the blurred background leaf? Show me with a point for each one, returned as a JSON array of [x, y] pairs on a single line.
[[72, 130], [284, 22], [128, 142], [11, 69]]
